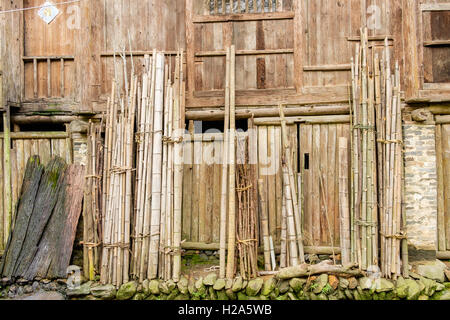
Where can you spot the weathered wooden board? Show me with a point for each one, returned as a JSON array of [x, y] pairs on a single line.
[[22, 150]]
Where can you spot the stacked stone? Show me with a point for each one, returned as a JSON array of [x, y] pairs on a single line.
[[421, 190], [426, 283]]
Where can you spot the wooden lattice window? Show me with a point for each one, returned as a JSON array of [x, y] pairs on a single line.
[[221, 7], [436, 41]]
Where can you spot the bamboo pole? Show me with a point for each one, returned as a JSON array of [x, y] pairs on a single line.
[[283, 251], [224, 187], [291, 233], [264, 225], [232, 172], [156, 175], [344, 216], [178, 178]]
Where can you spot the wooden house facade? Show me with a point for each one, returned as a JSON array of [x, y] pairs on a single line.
[[295, 52]]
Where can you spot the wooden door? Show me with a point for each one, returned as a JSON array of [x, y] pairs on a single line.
[[319, 167]]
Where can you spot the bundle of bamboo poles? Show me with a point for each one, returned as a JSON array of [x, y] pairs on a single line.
[[364, 180], [92, 217], [292, 251], [159, 172], [394, 250], [118, 194], [376, 213]]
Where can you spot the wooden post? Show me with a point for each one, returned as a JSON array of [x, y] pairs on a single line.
[[7, 193]]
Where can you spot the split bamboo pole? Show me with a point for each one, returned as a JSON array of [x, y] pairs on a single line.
[[178, 176], [225, 157], [232, 171]]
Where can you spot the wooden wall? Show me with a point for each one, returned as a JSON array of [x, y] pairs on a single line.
[[295, 51]]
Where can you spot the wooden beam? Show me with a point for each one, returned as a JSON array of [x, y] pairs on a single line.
[[328, 67], [243, 17], [435, 7], [216, 246], [443, 255], [245, 113], [45, 58], [244, 52], [434, 43], [36, 135]]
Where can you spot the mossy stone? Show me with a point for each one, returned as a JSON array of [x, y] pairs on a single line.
[[237, 284], [222, 296], [297, 284], [145, 287], [320, 283], [106, 292], [283, 286], [172, 295], [210, 279], [343, 283], [163, 287], [139, 296], [384, 285], [219, 285], [254, 287], [183, 285], [268, 286], [171, 285], [182, 297], [151, 297], [212, 293], [348, 293], [414, 289], [127, 291], [230, 294], [153, 287], [241, 296]]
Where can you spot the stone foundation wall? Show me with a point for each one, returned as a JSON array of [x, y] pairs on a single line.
[[321, 287], [421, 189]]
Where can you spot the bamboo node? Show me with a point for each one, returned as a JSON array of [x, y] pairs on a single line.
[[390, 141], [362, 127], [365, 223], [90, 244], [121, 170], [400, 236]]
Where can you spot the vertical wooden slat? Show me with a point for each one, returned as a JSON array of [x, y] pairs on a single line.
[[62, 78], [217, 181], [315, 176], [44, 150], [35, 78], [306, 142], [49, 78], [331, 178], [187, 190], [325, 237]]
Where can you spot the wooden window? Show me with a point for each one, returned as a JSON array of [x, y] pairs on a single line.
[[436, 42], [221, 7]]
